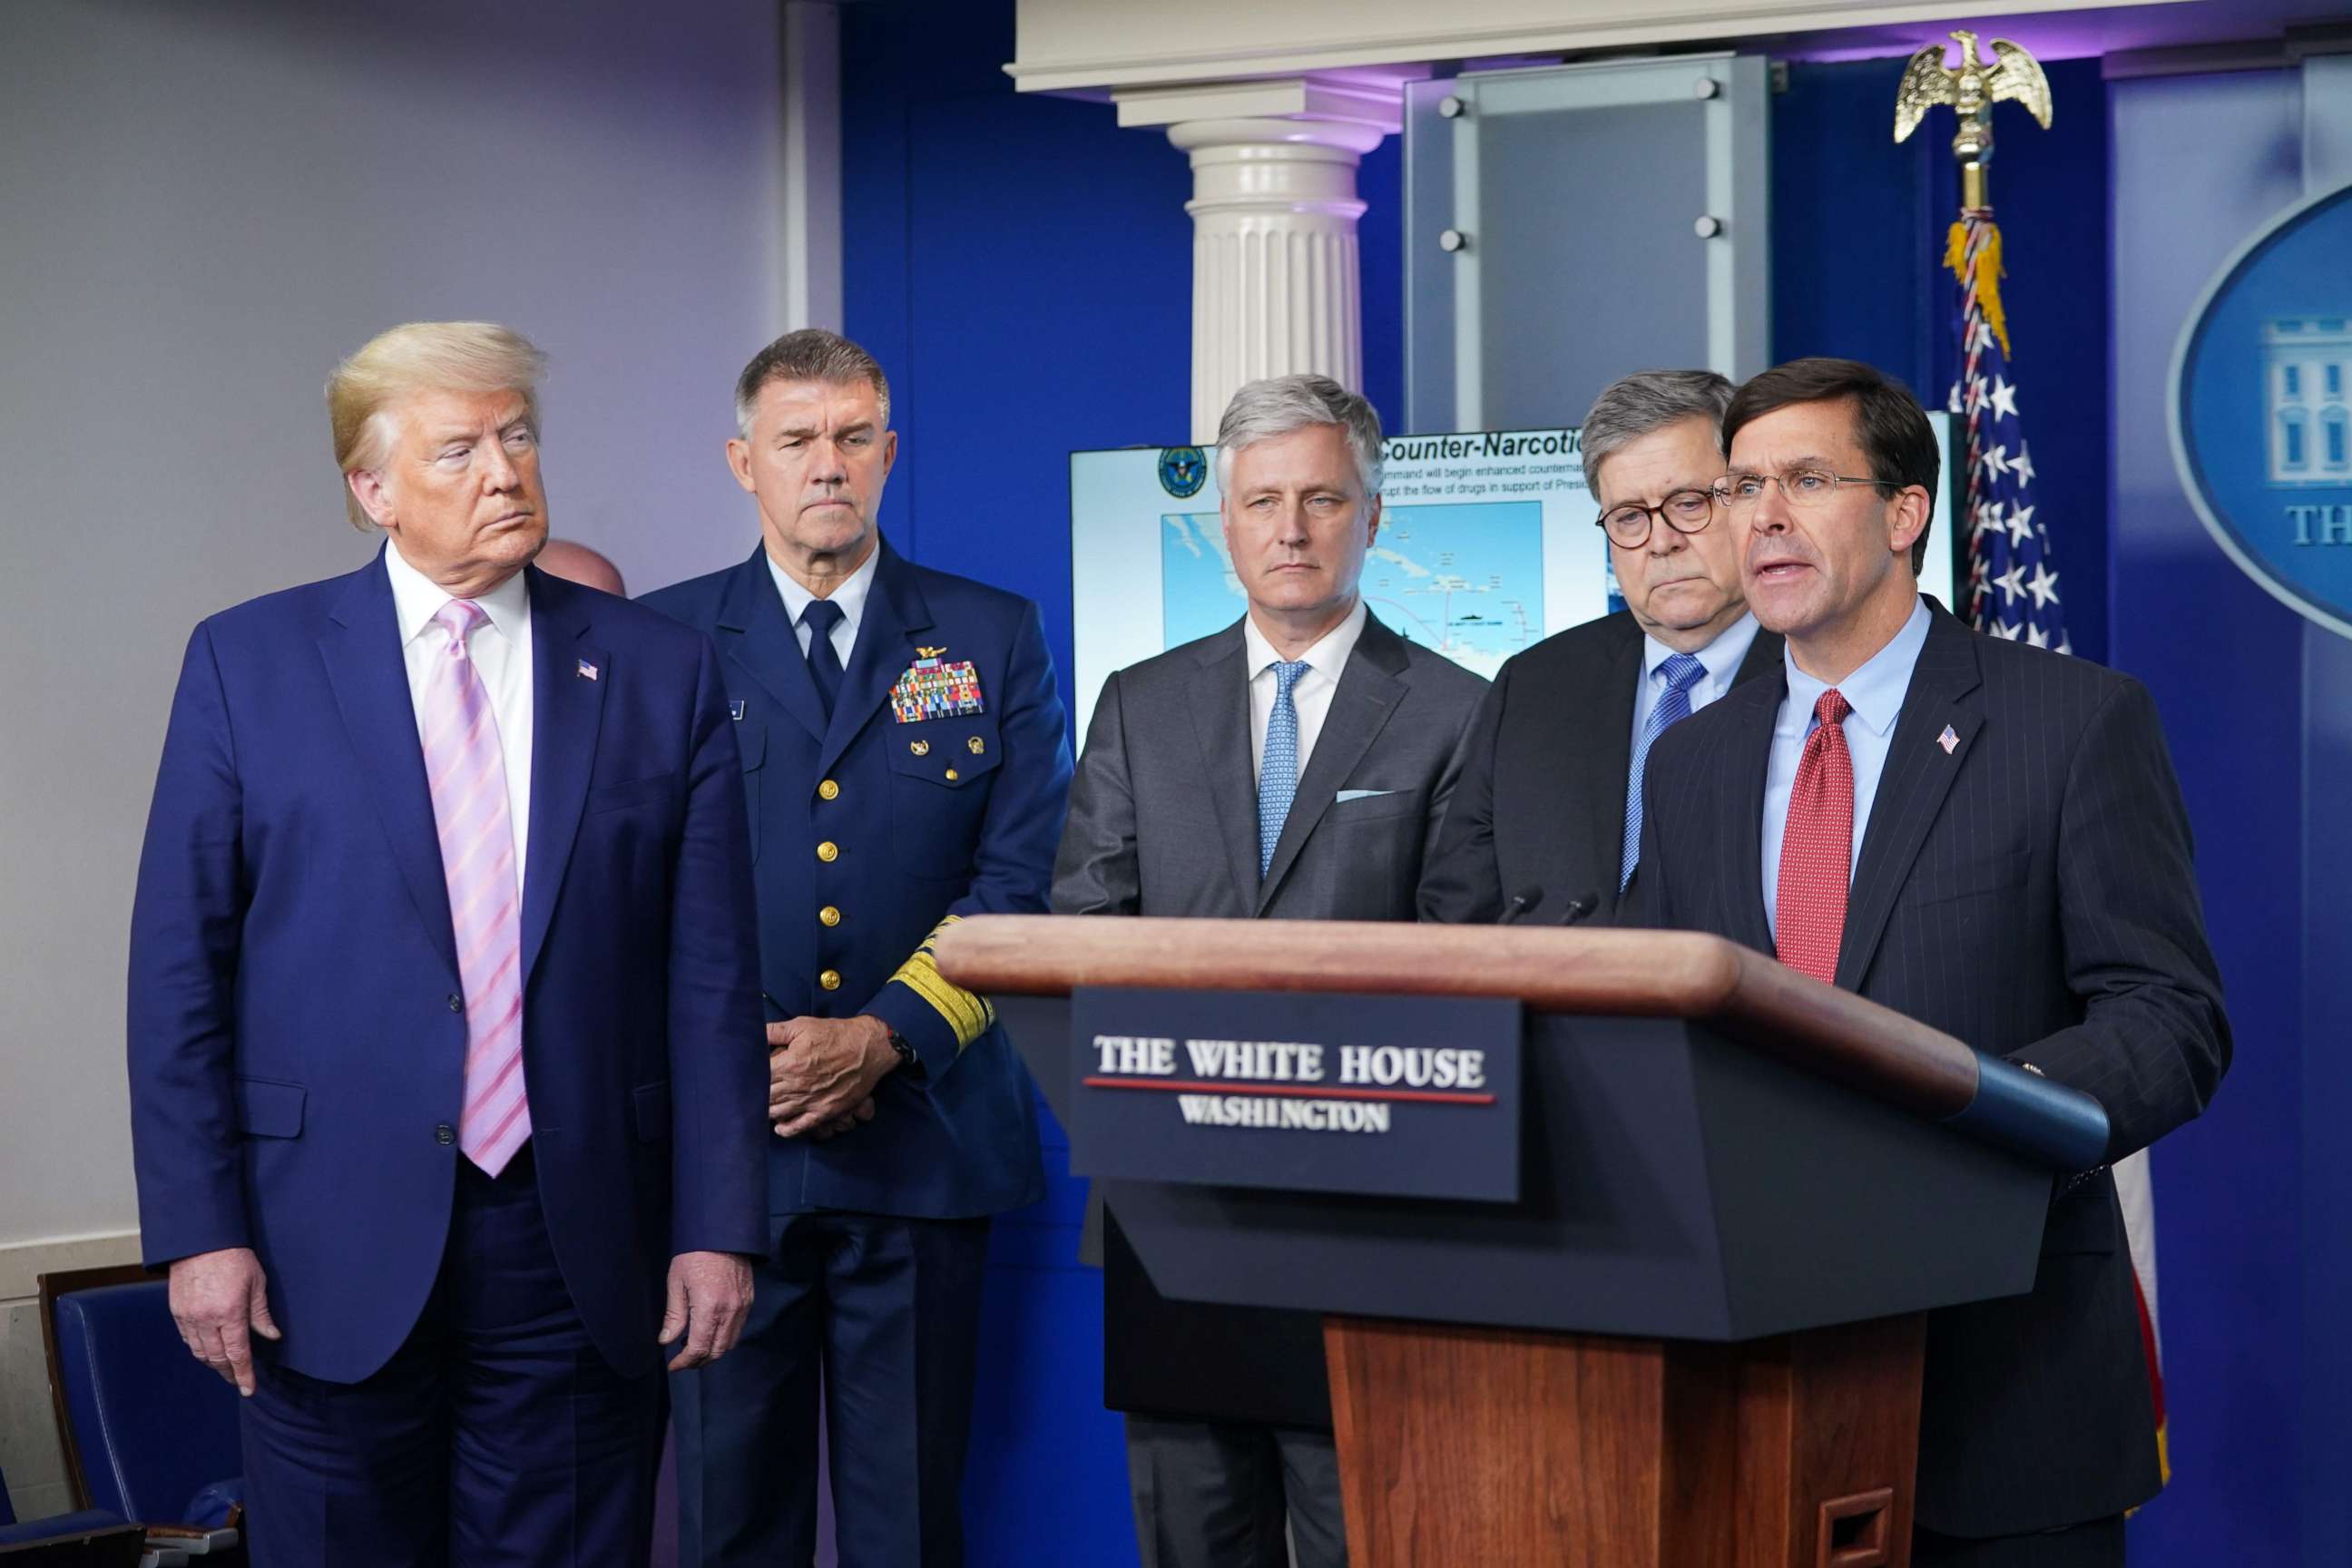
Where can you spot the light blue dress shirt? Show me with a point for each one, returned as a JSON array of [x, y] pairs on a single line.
[[1875, 693], [1722, 658]]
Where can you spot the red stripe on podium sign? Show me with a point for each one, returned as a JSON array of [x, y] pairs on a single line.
[[1301, 1091]]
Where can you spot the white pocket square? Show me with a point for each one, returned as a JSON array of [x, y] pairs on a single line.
[[1347, 794]]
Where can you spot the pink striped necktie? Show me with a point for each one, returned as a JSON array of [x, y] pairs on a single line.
[[467, 771]]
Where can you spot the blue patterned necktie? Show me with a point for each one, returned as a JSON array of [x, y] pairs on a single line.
[[1277, 771], [824, 661], [1682, 672]]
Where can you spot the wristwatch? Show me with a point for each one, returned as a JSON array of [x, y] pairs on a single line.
[[907, 1061]]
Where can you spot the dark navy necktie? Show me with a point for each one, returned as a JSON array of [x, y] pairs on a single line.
[[825, 663], [1681, 672]]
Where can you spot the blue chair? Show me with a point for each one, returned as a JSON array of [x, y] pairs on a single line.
[[88, 1536], [149, 1432]]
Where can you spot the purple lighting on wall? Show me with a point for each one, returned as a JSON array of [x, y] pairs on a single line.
[[2073, 35]]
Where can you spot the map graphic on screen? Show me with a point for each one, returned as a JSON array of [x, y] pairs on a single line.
[[1464, 579]]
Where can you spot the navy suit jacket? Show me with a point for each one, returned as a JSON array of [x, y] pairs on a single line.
[[928, 819], [297, 1045], [2028, 889]]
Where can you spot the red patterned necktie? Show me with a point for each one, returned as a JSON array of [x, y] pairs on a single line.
[[466, 769], [1817, 846]]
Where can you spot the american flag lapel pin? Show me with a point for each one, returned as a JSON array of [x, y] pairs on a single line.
[[1948, 741], [588, 672]]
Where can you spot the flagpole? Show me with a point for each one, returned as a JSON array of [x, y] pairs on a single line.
[[2012, 589]]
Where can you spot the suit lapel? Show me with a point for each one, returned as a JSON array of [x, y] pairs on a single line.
[[1750, 710], [1911, 790], [1764, 658], [1765, 663], [567, 712], [1219, 697], [1368, 692], [894, 613], [757, 635], [369, 679], [1599, 770]]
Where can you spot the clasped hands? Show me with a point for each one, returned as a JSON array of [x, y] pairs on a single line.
[[822, 1073]]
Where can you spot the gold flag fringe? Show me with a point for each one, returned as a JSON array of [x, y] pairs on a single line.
[[1989, 272]]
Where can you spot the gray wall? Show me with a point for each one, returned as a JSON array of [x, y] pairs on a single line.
[[202, 207]]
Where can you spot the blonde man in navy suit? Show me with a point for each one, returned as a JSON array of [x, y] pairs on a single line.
[[443, 1031]]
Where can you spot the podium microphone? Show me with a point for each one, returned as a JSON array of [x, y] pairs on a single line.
[[1527, 897]]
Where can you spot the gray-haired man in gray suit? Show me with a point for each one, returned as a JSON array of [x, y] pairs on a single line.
[[1293, 766]]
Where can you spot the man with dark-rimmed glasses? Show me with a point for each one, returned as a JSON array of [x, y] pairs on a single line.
[[1545, 820]]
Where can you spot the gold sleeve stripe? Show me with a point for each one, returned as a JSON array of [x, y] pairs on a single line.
[[967, 1014]]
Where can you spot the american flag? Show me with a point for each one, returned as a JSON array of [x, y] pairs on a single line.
[[2012, 584], [2013, 593]]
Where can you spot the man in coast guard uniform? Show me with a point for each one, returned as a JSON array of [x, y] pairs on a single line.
[[905, 761]]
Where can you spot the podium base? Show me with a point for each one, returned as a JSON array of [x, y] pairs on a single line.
[[1485, 1445]]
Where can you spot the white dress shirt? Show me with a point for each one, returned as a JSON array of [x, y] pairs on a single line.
[[501, 654], [1722, 659], [1310, 694], [850, 596]]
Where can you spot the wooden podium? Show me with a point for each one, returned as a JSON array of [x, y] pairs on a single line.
[[1695, 1340]]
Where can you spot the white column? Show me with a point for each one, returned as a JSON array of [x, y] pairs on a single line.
[[1275, 277], [811, 272]]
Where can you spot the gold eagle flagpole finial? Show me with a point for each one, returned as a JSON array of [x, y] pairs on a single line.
[[1971, 87]]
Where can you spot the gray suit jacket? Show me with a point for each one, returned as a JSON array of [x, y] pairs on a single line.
[[1164, 821], [1164, 814]]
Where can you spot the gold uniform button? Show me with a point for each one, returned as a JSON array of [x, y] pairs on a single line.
[[921, 748], [829, 915], [830, 980], [977, 745], [952, 773], [828, 790], [828, 851]]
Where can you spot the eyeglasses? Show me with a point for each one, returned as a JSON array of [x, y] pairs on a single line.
[[1685, 511], [1799, 487]]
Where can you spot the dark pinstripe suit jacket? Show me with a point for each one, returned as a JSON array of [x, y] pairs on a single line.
[[2029, 891]]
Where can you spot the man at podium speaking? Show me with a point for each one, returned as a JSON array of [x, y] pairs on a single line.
[[1293, 766], [1984, 836]]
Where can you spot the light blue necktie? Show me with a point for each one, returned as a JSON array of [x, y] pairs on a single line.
[[1682, 672], [1277, 771]]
